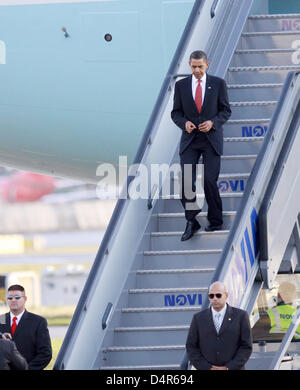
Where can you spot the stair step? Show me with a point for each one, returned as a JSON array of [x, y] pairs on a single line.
[[229, 182], [244, 145], [152, 328], [246, 127], [176, 221], [273, 16], [145, 355], [202, 214], [169, 290], [145, 348], [141, 367], [244, 109], [269, 33], [235, 195], [259, 74], [134, 310], [254, 92], [160, 315], [201, 239], [280, 22], [230, 200], [131, 336], [264, 57], [253, 86], [173, 271], [227, 176], [178, 259], [268, 39], [168, 296], [236, 163], [270, 68], [238, 175], [179, 278]]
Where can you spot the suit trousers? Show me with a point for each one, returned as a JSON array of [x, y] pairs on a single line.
[[212, 161]]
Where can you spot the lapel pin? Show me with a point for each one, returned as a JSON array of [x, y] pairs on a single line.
[[229, 319], [209, 87]]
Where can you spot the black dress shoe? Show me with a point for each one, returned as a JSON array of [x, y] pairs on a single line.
[[212, 228], [191, 228]]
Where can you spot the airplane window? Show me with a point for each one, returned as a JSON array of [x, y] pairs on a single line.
[[108, 37], [274, 309]]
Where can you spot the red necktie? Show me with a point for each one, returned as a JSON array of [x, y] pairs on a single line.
[[14, 325], [198, 96]]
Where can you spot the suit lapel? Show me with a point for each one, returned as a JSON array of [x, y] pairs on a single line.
[[189, 90], [228, 319], [208, 92], [20, 324], [210, 320]]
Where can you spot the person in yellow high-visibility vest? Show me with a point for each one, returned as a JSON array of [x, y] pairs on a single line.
[[274, 323], [281, 315]]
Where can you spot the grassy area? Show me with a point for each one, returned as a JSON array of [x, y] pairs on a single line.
[[55, 315], [59, 321], [56, 344]]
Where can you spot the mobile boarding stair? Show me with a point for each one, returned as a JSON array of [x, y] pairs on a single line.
[[145, 284]]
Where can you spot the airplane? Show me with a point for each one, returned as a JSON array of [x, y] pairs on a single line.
[[79, 79]]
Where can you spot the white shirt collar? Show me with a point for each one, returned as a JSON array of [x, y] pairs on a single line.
[[203, 80], [222, 312], [19, 316]]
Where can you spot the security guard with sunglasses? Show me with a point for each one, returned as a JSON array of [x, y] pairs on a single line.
[[29, 331], [219, 338]]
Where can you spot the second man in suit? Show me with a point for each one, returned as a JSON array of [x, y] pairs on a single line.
[[29, 331], [220, 337], [200, 109]]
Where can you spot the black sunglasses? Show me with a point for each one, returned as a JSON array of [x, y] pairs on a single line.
[[10, 297], [218, 295]]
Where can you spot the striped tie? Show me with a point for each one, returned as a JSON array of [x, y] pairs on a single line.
[[217, 322]]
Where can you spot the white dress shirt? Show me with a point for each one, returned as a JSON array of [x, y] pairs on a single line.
[[221, 312], [19, 316], [195, 84]]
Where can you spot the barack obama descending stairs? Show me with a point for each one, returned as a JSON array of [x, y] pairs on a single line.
[[200, 109]]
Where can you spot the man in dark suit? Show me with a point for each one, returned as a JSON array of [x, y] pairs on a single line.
[[10, 358], [220, 337], [200, 109], [29, 331]]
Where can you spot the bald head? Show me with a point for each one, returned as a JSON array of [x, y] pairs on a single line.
[[219, 285], [218, 295]]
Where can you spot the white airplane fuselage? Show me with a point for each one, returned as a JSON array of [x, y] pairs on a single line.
[[79, 79]]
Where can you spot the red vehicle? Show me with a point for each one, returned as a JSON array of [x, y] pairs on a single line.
[[26, 187]]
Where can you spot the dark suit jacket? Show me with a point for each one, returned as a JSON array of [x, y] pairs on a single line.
[[215, 108], [32, 339], [232, 347], [10, 358]]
